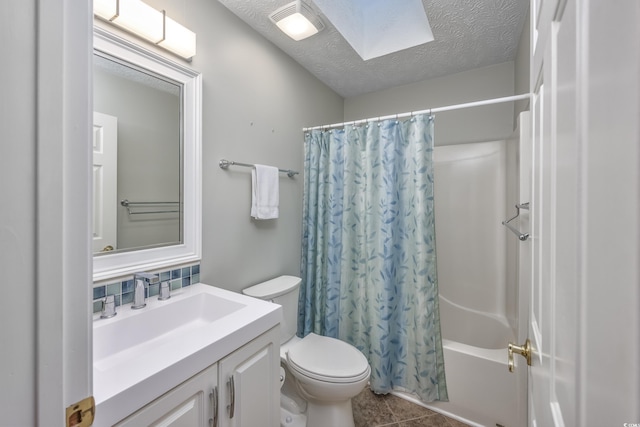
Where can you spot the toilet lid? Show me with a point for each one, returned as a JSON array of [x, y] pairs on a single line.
[[328, 359]]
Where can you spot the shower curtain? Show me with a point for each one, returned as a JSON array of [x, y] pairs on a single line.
[[368, 250]]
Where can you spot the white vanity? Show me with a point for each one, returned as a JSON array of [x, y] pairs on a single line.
[[205, 357]]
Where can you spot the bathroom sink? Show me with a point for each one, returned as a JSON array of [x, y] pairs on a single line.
[[133, 333], [140, 354]]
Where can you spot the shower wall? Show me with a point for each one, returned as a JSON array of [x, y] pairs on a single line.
[[471, 188], [474, 185]]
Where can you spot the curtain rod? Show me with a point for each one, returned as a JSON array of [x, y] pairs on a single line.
[[429, 111]]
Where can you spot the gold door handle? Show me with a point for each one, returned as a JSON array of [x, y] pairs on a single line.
[[524, 350]]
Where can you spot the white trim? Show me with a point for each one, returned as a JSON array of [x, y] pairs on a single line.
[[63, 253], [119, 264]]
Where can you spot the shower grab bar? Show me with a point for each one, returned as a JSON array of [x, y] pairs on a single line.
[[129, 205], [521, 236], [224, 164]]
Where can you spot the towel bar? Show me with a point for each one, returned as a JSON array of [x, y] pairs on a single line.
[[224, 164], [129, 205]]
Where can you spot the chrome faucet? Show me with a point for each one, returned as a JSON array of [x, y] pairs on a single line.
[[165, 291], [141, 282], [108, 307]]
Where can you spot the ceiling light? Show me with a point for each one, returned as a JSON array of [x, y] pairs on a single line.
[[297, 20], [141, 19]]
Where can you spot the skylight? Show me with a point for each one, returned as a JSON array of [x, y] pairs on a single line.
[[376, 28]]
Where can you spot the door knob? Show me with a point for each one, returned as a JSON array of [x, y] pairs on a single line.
[[524, 350]]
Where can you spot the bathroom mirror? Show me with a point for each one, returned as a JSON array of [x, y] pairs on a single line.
[[146, 162]]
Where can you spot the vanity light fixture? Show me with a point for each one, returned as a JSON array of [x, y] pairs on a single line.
[[297, 20], [143, 20]]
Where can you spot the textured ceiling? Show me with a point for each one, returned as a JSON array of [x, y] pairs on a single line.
[[468, 34]]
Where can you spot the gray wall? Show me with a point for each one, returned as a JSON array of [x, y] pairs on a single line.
[[256, 100], [18, 215], [469, 125]]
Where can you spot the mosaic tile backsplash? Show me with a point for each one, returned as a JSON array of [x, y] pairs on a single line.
[[123, 291]]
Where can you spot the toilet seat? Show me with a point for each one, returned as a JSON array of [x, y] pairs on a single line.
[[328, 359]]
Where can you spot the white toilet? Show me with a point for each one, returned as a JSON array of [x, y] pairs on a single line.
[[326, 372]]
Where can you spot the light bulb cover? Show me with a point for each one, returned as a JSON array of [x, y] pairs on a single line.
[[105, 9], [178, 39], [297, 20], [140, 19], [143, 20]]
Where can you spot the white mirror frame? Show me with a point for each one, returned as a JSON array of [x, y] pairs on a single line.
[[120, 264]]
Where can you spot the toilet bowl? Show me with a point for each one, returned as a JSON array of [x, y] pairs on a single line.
[[326, 372]]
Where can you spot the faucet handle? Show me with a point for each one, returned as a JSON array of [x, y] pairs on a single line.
[[165, 291], [108, 307]]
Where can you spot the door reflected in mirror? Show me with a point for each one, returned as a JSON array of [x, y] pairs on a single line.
[[137, 160]]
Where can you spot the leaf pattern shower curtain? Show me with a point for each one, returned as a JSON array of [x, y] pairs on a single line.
[[368, 250]]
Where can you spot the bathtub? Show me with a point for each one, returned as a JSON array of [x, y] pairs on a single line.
[[481, 389]]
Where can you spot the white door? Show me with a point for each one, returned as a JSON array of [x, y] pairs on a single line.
[[553, 219], [583, 249], [105, 187]]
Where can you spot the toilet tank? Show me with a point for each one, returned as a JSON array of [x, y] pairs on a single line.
[[282, 290]]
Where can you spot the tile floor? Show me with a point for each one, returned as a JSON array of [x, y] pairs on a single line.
[[372, 410]]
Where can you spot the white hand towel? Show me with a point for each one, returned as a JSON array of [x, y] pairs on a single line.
[[265, 193]]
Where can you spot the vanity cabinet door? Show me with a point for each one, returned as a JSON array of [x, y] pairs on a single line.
[[250, 384], [190, 404]]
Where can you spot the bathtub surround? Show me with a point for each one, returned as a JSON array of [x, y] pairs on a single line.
[[368, 260], [476, 288]]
